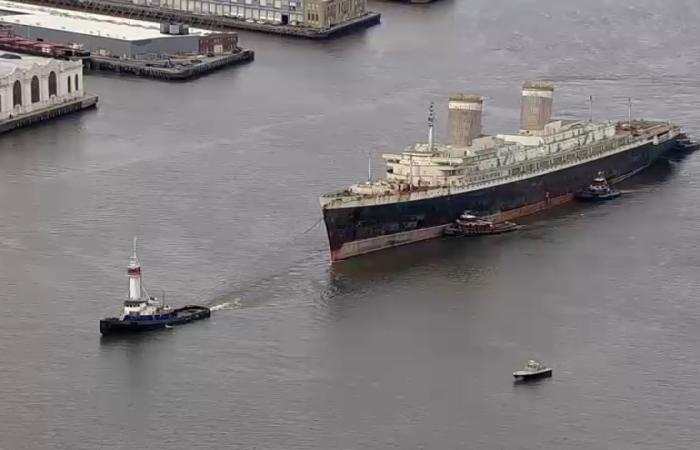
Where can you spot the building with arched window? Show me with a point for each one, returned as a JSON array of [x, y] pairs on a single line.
[[33, 83]]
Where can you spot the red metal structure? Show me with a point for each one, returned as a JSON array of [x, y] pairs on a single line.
[[11, 43]]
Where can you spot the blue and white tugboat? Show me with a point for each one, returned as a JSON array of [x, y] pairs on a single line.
[[598, 191], [143, 312], [685, 145]]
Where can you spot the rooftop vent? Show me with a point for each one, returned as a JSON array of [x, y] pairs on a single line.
[[174, 28]]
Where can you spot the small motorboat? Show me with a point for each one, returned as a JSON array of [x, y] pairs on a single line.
[[533, 370], [599, 190], [471, 225]]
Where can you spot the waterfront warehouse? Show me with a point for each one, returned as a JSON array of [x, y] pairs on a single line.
[[106, 35], [311, 19], [309, 13], [33, 89]]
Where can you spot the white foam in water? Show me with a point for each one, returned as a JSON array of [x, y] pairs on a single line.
[[233, 304]]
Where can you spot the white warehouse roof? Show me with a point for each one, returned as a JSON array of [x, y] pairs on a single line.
[[83, 23]]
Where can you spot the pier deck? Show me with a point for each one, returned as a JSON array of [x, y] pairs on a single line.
[[177, 72], [50, 112]]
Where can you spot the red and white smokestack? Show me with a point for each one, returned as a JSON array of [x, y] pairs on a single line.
[[134, 272]]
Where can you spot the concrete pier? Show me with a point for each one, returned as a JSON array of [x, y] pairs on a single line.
[[50, 112], [176, 72], [208, 21]]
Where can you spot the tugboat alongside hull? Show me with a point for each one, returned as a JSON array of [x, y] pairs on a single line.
[[684, 147], [598, 191], [587, 197], [469, 225]]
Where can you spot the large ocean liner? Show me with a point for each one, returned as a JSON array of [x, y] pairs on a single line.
[[502, 177]]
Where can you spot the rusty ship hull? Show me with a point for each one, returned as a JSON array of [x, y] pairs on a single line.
[[358, 230]]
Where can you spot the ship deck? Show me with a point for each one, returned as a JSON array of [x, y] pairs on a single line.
[[626, 134]]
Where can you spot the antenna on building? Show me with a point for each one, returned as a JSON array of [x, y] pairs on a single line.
[[590, 109], [629, 111], [431, 123]]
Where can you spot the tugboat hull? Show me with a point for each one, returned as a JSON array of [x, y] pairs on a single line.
[[588, 197], [499, 228], [180, 316]]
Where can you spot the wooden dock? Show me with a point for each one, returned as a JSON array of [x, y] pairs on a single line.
[[175, 72], [50, 112], [207, 21]]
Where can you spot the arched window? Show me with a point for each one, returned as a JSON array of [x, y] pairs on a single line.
[[36, 95], [77, 86], [52, 84], [70, 89], [17, 94]]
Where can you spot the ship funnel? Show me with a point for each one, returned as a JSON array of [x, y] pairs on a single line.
[[536, 106], [464, 119]]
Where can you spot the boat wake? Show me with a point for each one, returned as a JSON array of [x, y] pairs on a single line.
[[233, 304], [635, 190]]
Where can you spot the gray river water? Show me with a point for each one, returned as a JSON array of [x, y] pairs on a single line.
[[405, 349]]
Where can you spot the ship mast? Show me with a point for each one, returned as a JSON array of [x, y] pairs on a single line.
[[629, 111], [431, 123], [134, 272], [369, 167]]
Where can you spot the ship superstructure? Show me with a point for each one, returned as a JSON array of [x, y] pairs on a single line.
[[140, 304], [503, 177]]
